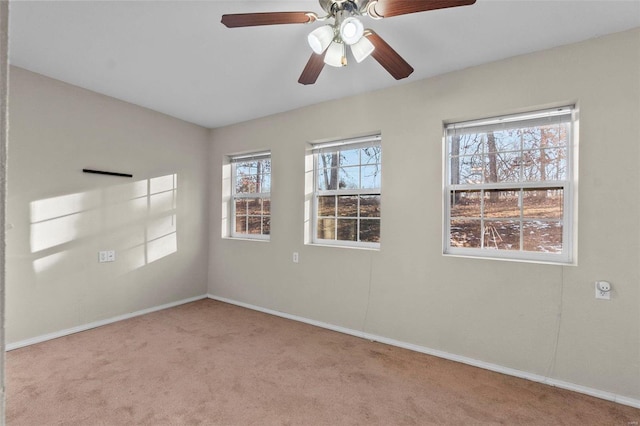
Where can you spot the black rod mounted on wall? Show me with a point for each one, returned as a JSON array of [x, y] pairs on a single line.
[[102, 172]]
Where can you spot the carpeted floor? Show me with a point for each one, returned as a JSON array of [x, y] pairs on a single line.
[[212, 363]]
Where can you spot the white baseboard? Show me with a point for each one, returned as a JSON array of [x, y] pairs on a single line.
[[620, 399], [446, 355], [84, 327]]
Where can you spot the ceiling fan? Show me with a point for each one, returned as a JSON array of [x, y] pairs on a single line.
[[329, 41]]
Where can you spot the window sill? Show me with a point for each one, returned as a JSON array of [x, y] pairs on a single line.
[[541, 261], [259, 240], [341, 246]]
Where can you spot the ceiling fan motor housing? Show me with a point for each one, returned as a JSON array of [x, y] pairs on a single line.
[[333, 6]]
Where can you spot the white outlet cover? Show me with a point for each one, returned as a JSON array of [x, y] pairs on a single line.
[[600, 294], [106, 256]]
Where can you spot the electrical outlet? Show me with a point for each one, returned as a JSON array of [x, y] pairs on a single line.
[[106, 256], [603, 290], [296, 258]]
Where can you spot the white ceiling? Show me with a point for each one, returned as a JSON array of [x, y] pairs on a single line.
[[177, 58]]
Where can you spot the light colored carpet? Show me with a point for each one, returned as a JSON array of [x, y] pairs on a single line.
[[212, 363]]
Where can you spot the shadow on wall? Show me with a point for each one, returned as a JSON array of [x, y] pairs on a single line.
[[137, 220]]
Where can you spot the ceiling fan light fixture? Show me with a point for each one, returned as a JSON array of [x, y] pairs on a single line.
[[362, 49], [351, 30], [320, 38], [329, 41], [335, 55]]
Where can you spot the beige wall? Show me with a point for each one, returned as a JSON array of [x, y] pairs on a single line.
[[4, 86], [541, 319], [59, 217]]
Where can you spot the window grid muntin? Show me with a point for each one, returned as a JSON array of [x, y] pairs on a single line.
[[483, 157], [336, 216], [259, 196], [358, 192], [566, 186], [521, 219]]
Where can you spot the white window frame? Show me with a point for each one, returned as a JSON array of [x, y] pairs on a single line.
[[567, 256], [234, 161], [353, 143]]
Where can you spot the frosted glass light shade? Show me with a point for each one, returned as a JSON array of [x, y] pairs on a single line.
[[320, 38], [335, 55], [362, 49], [351, 30]]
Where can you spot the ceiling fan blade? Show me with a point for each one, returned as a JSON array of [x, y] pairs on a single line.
[[312, 69], [388, 58], [389, 8], [267, 18]]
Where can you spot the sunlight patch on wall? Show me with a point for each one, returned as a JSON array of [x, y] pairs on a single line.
[[59, 220], [226, 198], [127, 191], [45, 263], [161, 238], [163, 184], [64, 205], [161, 202], [131, 254], [162, 232], [161, 247], [126, 203], [308, 196], [137, 219]]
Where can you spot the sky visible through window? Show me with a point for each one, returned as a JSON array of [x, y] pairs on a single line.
[[348, 194], [507, 187], [252, 198]]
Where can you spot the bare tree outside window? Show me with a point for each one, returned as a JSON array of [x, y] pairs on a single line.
[[507, 183], [348, 181], [252, 197]]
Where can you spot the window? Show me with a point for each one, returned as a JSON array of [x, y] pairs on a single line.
[[509, 187], [251, 193], [347, 181]]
